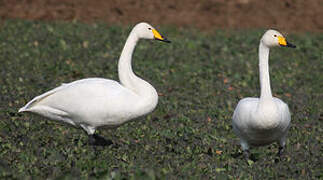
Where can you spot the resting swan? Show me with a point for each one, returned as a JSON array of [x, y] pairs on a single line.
[[262, 121], [95, 102]]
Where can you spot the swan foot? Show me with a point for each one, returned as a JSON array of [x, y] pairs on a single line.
[[97, 140], [246, 154], [280, 151], [250, 159], [279, 154]]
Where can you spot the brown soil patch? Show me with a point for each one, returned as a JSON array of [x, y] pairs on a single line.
[[290, 15]]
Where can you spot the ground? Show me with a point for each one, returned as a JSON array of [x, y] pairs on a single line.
[[287, 15], [200, 78]]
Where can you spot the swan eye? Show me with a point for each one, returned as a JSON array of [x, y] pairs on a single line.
[[275, 35], [149, 28]]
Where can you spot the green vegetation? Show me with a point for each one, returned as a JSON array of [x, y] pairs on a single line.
[[200, 78]]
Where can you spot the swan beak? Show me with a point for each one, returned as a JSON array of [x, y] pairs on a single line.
[[282, 42], [159, 37]]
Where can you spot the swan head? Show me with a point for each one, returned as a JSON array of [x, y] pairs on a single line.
[[146, 31], [273, 38]]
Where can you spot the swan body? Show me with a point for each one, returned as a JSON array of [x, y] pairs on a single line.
[[97, 102], [262, 121]]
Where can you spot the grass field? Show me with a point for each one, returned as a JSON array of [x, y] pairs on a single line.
[[200, 78]]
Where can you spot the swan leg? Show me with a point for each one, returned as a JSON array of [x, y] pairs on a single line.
[[89, 129], [282, 143], [245, 148]]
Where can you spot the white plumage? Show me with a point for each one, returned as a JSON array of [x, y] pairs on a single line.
[[96, 102], [262, 121]]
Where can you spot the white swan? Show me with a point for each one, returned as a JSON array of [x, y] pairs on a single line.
[[264, 120], [95, 102]]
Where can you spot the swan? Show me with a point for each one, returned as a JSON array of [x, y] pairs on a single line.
[[97, 102], [262, 121]]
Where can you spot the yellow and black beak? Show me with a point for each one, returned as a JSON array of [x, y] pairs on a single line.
[[159, 37], [282, 42]]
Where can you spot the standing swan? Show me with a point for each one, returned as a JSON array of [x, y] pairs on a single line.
[[262, 121], [94, 102]]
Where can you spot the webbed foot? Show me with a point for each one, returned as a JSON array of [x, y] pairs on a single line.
[[280, 151], [97, 140], [246, 154]]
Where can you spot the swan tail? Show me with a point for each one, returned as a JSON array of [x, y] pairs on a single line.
[[49, 112]]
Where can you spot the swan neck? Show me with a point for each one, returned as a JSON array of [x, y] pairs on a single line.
[[264, 72], [127, 77], [125, 72]]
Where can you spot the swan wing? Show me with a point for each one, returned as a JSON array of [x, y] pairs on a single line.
[[92, 101], [242, 113], [284, 114], [242, 116]]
